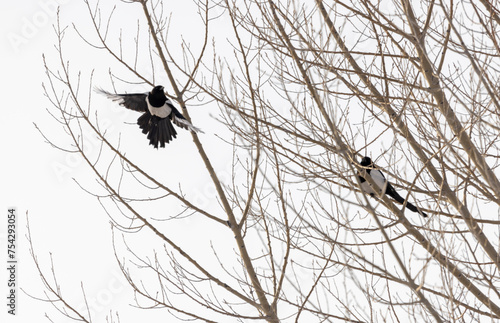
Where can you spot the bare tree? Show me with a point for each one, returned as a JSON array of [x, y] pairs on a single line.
[[306, 89]]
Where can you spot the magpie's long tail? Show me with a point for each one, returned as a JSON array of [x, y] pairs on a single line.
[[159, 130], [395, 195]]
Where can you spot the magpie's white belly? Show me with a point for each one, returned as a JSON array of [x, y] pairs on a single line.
[[379, 179], [162, 112], [367, 188]]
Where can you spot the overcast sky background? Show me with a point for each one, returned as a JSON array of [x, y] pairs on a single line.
[[66, 222], [37, 179]]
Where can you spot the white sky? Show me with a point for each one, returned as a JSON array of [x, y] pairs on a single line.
[[64, 220]]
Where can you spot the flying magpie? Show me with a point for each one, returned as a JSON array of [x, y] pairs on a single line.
[[383, 184], [159, 113]]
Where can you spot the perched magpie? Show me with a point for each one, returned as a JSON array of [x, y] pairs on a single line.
[[158, 114], [383, 184]]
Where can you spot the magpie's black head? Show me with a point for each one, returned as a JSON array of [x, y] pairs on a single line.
[[366, 161], [158, 90], [157, 96]]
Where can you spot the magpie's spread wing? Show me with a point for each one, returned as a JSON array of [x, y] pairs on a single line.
[[132, 101], [180, 121]]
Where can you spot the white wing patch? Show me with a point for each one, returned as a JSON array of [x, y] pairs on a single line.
[[183, 123], [111, 96]]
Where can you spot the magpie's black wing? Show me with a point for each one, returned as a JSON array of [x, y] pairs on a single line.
[[395, 195], [132, 101], [180, 121]]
